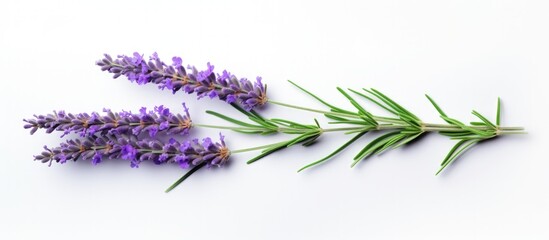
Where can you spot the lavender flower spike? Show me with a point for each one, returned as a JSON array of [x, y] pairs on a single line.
[[159, 120], [175, 77], [129, 147]]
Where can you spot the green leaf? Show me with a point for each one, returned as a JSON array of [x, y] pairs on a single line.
[[265, 124], [498, 114], [229, 119], [317, 124], [250, 131], [353, 101], [393, 140], [409, 131], [400, 111], [396, 105], [242, 110], [293, 124], [374, 101], [372, 146], [365, 115], [253, 112], [269, 132], [366, 129], [411, 121], [472, 137], [439, 110], [305, 137], [484, 119], [334, 117], [267, 152], [301, 138], [456, 134], [188, 174], [333, 153], [407, 140], [451, 152], [320, 100], [254, 116], [310, 141], [351, 122], [465, 127], [457, 154]]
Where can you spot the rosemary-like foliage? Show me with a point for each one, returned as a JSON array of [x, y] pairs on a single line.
[[401, 128]]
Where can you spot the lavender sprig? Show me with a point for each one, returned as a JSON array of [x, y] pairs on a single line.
[[130, 147], [226, 87], [159, 120]]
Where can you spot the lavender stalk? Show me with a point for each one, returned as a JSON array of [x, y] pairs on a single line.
[[227, 87], [124, 122], [129, 147]]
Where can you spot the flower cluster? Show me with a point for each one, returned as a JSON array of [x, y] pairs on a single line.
[[161, 119], [175, 77], [131, 148]]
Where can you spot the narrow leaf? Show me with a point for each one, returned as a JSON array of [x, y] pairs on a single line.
[[293, 124], [456, 134], [310, 141], [359, 130], [253, 116], [351, 122], [498, 114], [372, 146], [407, 140], [317, 124], [249, 131], [439, 110], [368, 116], [396, 104], [457, 154], [334, 117], [320, 100], [390, 142], [266, 153], [333, 153], [301, 138], [465, 127], [451, 152], [352, 100], [484, 119], [229, 119], [188, 174], [374, 101]]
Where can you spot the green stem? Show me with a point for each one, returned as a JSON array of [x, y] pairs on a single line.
[[313, 110], [225, 127], [391, 120], [377, 118], [343, 129], [254, 148]]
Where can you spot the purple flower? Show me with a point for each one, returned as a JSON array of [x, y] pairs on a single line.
[[177, 62], [97, 157], [84, 124], [130, 147], [62, 158], [175, 77], [128, 152]]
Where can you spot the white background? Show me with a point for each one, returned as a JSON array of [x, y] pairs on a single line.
[[464, 53]]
